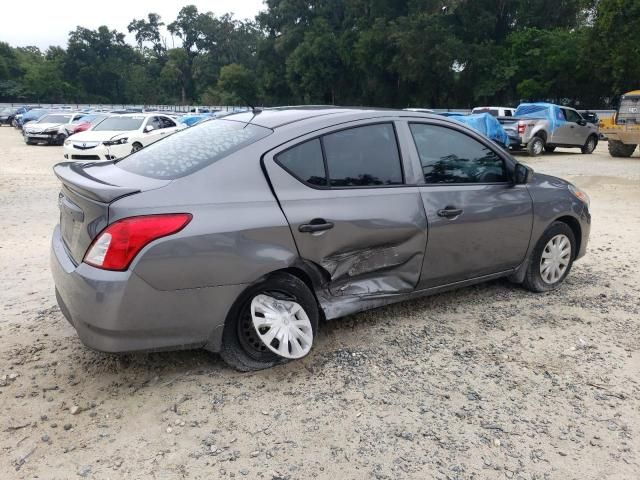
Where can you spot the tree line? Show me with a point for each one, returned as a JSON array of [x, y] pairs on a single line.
[[389, 53]]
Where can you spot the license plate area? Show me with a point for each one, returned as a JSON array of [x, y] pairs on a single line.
[[71, 220]]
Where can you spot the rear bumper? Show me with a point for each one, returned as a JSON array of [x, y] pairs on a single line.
[[120, 312]]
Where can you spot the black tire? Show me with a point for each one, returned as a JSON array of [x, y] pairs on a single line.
[[28, 141], [619, 149], [135, 147], [60, 138], [241, 348], [549, 148], [590, 145], [535, 146], [533, 280]]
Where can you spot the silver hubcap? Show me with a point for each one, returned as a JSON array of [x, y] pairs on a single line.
[[538, 147], [591, 145], [555, 258], [283, 326]]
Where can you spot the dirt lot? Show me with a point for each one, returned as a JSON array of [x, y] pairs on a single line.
[[488, 382]]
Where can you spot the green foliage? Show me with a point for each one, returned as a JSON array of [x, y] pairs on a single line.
[[428, 53]]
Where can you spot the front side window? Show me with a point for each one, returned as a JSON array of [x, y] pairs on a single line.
[[166, 122], [450, 156], [572, 115], [305, 162], [191, 149], [363, 156]]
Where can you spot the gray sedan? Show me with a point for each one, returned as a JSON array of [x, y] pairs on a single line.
[[241, 234]]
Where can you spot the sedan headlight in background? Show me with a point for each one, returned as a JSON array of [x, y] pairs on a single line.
[[580, 194], [120, 141]]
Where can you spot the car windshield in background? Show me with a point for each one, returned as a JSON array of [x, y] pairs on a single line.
[[55, 119], [120, 124], [185, 152]]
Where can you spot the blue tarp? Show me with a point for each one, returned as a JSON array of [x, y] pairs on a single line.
[[194, 118], [548, 111], [486, 124]]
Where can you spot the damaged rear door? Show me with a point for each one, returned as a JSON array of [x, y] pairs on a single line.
[[350, 210]]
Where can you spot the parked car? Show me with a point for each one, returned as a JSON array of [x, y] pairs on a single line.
[[238, 235], [591, 117], [51, 128], [545, 126], [118, 135], [21, 119], [86, 122], [495, 111], [6, 115]]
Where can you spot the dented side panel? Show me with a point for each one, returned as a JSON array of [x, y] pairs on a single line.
[[378, 239]]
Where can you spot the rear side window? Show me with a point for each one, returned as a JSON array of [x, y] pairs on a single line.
[[449, 156], [305, 162], [191, 149], [363, 156]]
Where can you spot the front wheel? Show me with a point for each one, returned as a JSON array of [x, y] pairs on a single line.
[[535, 146], [552, 258], [135, 147], [590, 145], [273, 322]]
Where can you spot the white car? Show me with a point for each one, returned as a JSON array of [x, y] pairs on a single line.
[[52, 128], [495, 111], [119, 135]]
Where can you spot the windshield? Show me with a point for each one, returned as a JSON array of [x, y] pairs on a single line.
[[120, 124], [55, 119], [192, 149], [629, 111]]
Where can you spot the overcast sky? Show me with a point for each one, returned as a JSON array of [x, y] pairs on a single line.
[[45, 22]]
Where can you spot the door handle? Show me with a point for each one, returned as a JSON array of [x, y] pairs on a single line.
[[450, 212], [315, 225]]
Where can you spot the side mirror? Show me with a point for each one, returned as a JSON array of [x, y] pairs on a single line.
[[148, 128], [582, 122], [522, 174]]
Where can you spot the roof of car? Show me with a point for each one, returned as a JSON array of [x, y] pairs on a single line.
[[280, 116]]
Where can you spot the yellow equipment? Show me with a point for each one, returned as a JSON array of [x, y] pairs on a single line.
[[623, 129]]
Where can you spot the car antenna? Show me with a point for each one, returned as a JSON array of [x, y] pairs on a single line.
[[255, 110]]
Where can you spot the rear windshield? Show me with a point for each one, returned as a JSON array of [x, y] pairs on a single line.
[[55, 119], [192, 149], [120, 124]]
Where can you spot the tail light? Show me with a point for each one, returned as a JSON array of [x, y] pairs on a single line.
[[521, 128], [118, 244]]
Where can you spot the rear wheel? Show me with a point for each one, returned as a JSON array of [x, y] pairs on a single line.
[[590, 145], [552, 258], [273, 322], [549, 148], [535, 146], [619, 149]]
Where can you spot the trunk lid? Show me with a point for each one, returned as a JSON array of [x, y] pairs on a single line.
[[87, 191]]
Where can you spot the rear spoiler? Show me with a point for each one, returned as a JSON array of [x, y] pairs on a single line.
[[76, 177]]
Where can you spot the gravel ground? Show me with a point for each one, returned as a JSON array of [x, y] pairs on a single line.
[[488, 382]]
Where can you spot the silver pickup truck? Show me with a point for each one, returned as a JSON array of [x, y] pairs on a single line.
[[545, 126]]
